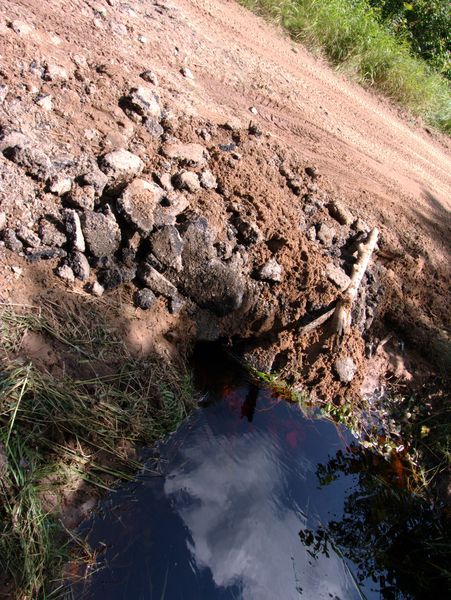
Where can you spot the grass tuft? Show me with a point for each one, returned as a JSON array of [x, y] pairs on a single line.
[[55, 430], [353, 38]]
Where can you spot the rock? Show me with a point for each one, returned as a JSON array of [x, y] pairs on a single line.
[[340, 213], [102, 233], [191, 155], [156, 281], [176, 303], [50, 234], [145, 298], [96, 179], [2, 221], [17, 270], [121, 165], [54, 72], [248, 231], [150, 77], [28, 237], [4, 89], [138, 203], [143, 101], [232, 124], [165, 182], [153, 127], [187, 180], [10, 138], [96, 289], [361, 226], [337, 276], [82, 197], [11, 241], [59, 185], [325, 234], [21, 28], [167, 246], [115, 276], [169, 208], [45, 254], [65, 272], [187, 73], [208, 180], [312, 173], [215, 286], [271, 271], [345, 368], [79, 265], [142, 39], [35, 162], [44, 101], [198, 240], [74, 230], [253, 110]]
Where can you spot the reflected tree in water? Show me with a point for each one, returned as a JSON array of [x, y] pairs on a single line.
[[396, 539]]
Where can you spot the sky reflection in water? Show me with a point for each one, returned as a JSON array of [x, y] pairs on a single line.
[[222, 522]]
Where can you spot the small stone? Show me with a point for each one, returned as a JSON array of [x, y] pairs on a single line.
[[21, 28], [2, 221], [50, 234], [17, 270], [28, 237], [82, 197], [80, 265], [74, 230], [232, 124], [4, 89], [138, 203], [116, 27], [311, 233], [142, 39], [54, 72], [101, 233], [248, 231], [35, 162], [169, 208], [96, 179], [153, 127], [156, 281], [340, 213], [145, 299], [121, 165], [176, 303], [115, 276], [59, 185], [44, 101], [65, 273], [325, 234], [150, 77], [143, 101], [271, 271], [345, 368], [167, 247], [208, 180], [165, 182], [187, 180], [192, 155], [96, 289], [253, 110], [337, 276], [361, 226], [312, 173], [187, 73]]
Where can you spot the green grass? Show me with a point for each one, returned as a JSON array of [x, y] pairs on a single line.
[[352, 37], [55, 430]]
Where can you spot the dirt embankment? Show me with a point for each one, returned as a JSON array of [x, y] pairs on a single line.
[[188, 155]]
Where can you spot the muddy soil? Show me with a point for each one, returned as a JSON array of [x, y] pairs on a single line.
[[189, 155]]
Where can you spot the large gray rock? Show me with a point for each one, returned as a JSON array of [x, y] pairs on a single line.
[[191, 155], [198, 240], [82, 197], [138, 203], [121, 165], [145, 299], [79, 265], [34, 161], [169, 208], [101, 233], [167, 246], [156, 282], [112, 277]]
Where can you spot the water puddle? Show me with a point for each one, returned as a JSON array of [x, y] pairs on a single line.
[[240, 507]]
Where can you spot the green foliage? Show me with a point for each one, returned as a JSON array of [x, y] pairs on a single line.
[[352, 36], [426, 24]]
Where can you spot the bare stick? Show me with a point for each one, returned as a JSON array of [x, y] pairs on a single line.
[[317, 322]]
